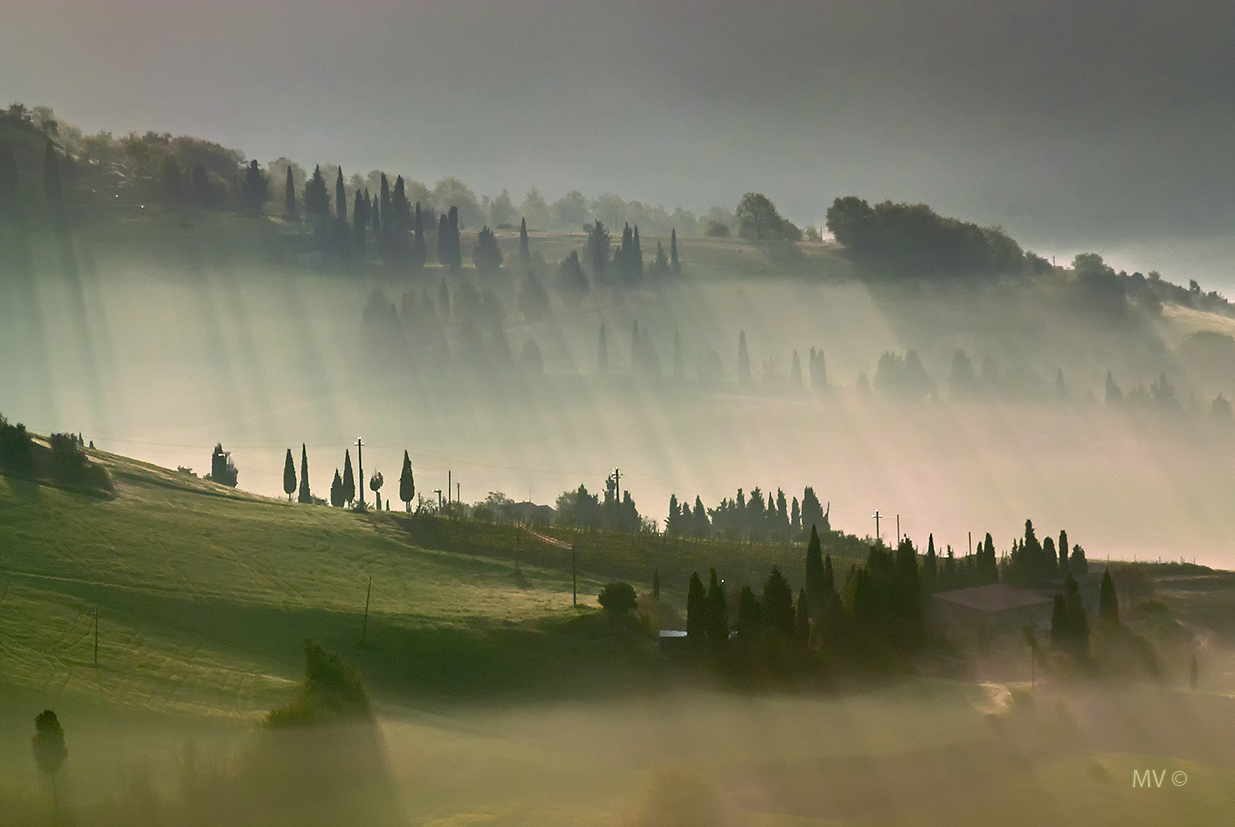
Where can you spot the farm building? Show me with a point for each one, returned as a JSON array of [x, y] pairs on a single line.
[[985, 611]]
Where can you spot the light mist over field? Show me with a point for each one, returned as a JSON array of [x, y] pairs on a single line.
[[161, 359]]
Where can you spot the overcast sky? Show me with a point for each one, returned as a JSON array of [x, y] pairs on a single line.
[[1103, 124]]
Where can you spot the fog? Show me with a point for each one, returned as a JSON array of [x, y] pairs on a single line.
[[161, 355]]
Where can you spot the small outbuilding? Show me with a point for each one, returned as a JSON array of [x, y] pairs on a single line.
[[985, 611], [673, 640]]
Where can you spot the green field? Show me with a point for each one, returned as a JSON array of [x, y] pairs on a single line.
[[499, 703]]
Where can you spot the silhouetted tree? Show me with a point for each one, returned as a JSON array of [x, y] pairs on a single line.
[[486, 256], [597, 252], [816, 591], [618, 600], [420, 246], [289, 475], [407, 483], [571, 279], [336, 491], [743, 360], [1108, 603], [255, 190], [1078, 565], [525, 254], [305, 496], [349, 479], [222, 469], [801, 620], [340, 197], [49, 749], [717, 614], [375, 485], [812, 511], [290, 211], [777, 603], [750, 616], [360, 218], [316, 198], [696, 612], [674, 263]]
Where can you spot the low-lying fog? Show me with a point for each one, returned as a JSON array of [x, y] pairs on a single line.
[[161, 359]]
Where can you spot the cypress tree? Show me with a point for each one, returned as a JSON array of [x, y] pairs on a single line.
[[699, 520], [289, 476], [375, 220], [743, 360], [717, 614], [1108, 604], [674, 264], [602, 352], [456, 245], [420, 250], [290, 211], [340, 197], [305, 496], [360, 217], [444, 256], [696, 612], [336, 490], [801, 620], [750, 615], [930, 566], [1060, 633], [525, 253], [316, 199], [1077, 564], [1062, 549], [777, 603], [636, 260], [812, 511], [255, 190], [349, 479], [795, 518], [8, 183], [816, 590], [407, 483], [661, 268]]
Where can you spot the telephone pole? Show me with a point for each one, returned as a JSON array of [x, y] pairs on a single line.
[[360, 464], [876, 516]]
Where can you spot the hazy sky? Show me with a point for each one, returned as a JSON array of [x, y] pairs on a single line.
[[1106, 125]]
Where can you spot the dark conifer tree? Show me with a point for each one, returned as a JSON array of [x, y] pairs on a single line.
[[525, 254], [375, 220], [317, 199], [289, 475], [336, 491], [674, 263], [661, 268], [700, 525], [360, 217], [255, 190], [717, 615], [930, 566], [777, 603], [696, 612], [384, 199], [816, 589], [750, 616], [795, 518], [812, 511], [801, 620], [444, 255], [305, 496], [602, 352], [1108, 603], [407, 483], [9, 209], [290, 210], [1062, 550], [1077, 564], [635, 263], [340, 198], [420, 248], [743, 360], [598, 252], [571, 279], [673, 524], [349, 479], [486, 255]]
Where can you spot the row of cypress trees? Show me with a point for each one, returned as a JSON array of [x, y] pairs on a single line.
[[343, 486]]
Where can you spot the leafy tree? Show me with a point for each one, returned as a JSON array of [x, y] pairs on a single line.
[[617, 599], [332, 691], [48, 747], [16, 449], [349, 479], [289, 475], [777, 603], [1108, 603], [758, 219], [375, 485], [486, 256], [407, 483], [336, 491], [1078, 565], [255, 190], [290, 211], [715, 229], [222, 469], [696, 611], [305, 497]]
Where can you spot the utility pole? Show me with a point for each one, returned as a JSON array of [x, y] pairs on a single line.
[[898, 529], [458, 495], [876, 516], [438, 491], [365, 627], [971, 542], [449, 485], [360, 463]]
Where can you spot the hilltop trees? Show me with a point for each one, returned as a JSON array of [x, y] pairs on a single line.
[[336, 491], [222, 469], [305, 497], [618, 600], [486, 256], [375, 485], [758, 219], [289, 476], [407, 483], [317, 199], [349, 479], [255, 190]]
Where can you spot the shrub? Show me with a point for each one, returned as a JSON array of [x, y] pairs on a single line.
[[16, 448], [617, 599], [332, 690], [69, 465]]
